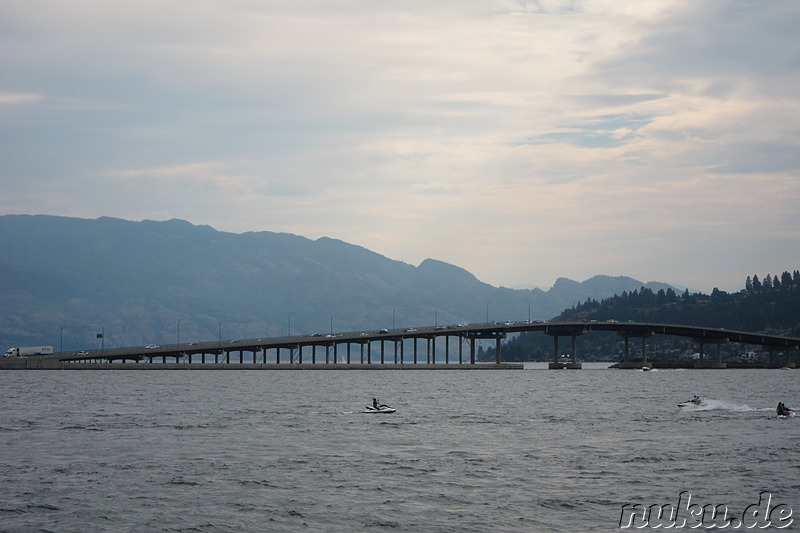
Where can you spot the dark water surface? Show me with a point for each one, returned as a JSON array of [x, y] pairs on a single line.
[[532, 450]]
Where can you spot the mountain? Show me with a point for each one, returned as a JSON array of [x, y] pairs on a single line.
[[65, 280]]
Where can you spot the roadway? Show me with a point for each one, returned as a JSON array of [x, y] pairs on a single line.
[[298, 346]]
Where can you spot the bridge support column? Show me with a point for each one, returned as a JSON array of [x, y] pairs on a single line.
[[446, 349], [555, 365], [415, 350], [775, 362], [789, 363], [498, 337], [574, 333], [701, 363], [627, 363], [574, 364]]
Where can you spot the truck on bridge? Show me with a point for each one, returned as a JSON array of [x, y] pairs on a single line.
[[25, 351]]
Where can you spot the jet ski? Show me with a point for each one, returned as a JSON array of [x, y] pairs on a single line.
[[383, 408], [693, 402]]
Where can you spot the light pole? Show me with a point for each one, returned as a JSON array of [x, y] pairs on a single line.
[[289, 334], [179, 330], [61, 346], [394, 310], [220, 332], [487, 310]]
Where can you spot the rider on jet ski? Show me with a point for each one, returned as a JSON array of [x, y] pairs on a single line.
[[695, 399], [377, 405]]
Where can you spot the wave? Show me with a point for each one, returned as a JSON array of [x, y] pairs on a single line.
[[719, 405]]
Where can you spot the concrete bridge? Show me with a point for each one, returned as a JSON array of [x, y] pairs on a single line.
[[410, 348]]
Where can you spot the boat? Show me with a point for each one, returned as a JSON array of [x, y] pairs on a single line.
[[693, 402], [381, 409]]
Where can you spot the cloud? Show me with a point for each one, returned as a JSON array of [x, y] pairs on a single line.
[[522, 140], [18, 99]]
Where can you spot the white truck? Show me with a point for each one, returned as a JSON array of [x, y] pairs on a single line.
[[25, 351]]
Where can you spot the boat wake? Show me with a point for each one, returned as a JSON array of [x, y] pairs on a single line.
[[719, 405]]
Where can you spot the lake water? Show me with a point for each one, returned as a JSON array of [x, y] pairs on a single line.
[[481, 451]]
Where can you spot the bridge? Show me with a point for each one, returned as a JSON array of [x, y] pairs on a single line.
[[367, 349]]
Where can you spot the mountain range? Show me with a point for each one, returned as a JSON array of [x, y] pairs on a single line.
[[64, 281]]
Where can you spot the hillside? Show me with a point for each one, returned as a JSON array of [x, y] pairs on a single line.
[[771, 306], [64, 280]]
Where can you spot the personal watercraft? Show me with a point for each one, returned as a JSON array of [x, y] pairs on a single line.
[[383, 408]]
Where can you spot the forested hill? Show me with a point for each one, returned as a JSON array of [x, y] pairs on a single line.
[[771, 305]]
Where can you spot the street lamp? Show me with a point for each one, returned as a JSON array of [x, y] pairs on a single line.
[[179, 330], [290, 326], [487, 310]]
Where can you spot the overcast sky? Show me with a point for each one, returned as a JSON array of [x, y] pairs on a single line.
[[521, 140]]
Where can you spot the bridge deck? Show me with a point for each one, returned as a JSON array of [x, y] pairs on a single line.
[[185, 355]]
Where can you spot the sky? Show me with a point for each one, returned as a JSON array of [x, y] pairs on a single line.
[[521, 140]]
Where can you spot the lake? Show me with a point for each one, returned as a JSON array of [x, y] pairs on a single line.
[[500, 451]]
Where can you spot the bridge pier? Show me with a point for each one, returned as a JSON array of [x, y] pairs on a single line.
[[573, 364], [626, 363], [702, 341], [498, 337], [773, 363]]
